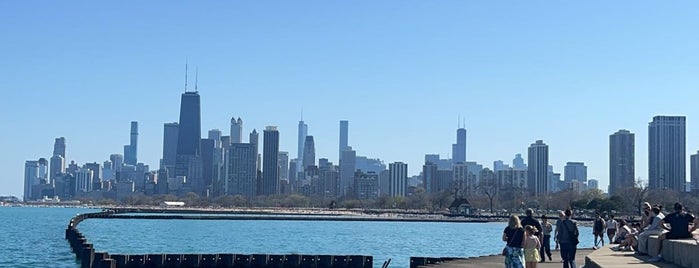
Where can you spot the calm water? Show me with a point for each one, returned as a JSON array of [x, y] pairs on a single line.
[[33, 237]]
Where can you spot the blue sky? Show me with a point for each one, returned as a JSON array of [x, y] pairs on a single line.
[[400, 71]]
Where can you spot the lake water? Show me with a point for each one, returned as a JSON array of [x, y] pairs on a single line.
[[34, 237]]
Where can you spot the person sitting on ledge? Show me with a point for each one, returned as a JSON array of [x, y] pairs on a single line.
[[679, 228], [652, 229], [624, 237]]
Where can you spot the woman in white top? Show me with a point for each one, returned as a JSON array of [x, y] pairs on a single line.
[[612, 228]]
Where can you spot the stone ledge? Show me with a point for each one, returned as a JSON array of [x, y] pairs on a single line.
[[607, 258]]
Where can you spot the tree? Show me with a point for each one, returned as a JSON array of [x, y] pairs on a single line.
[[441, 199], [489, 187]]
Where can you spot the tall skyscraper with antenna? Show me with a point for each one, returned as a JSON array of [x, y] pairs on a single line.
[[303, 132], [188, 137], [458, 150]]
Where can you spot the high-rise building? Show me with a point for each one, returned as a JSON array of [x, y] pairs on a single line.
[[398, 179], [188, 160], [96, 169], [303, 132], [208, 148], [131, 150], [58, 166], [592, 184], [31, 178], [215, 135], [189, 132], [621, 161], [255, 141], [344, 131], [537, 174], [518, 162], [309, 152], [242, 170], [236, 130], [292, 171], [347, 169], [667, 153], [83, 180], [117, 162], [270, 170], [499, 165], [366, 185], [694, 172], [170, 135], [284, 166], [458, 150], [575, 171], [59, 147]]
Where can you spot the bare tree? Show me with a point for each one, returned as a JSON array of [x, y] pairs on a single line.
[[489, 187]]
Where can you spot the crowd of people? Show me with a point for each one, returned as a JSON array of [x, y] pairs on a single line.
[[528, 241]]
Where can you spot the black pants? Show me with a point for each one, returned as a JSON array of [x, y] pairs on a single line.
[[545, 247], [568, 254]]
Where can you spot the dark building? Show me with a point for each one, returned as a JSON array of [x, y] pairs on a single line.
[[430, 180], [170, 136], [59, 147], [621, 161], [537, 172], [309, 152], [270, 170], [207, 160], [187, 161], [242, 170], [459, 148], [131, 150], [667, 153]]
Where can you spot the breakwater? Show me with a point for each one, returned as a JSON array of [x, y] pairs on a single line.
[[89, 258]]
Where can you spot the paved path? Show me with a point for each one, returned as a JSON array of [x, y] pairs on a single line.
[[499, 261]]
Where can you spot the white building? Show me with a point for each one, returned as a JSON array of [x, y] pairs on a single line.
[[83, 180], [398, 179]]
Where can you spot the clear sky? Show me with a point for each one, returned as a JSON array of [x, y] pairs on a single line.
[[569, 73]]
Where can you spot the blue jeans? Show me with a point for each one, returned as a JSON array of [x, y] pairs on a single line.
[[568, 254]]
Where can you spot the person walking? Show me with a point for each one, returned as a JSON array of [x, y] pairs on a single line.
[[546, 243], [612, 228], [568, 238], [513, 235], [598, 230]]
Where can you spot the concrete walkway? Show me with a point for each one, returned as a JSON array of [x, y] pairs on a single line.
[[499, 261], [588, 258]]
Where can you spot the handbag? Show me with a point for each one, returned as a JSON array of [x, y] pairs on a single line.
[[504, 250]]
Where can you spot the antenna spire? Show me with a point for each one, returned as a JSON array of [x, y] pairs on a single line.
[[196, 79], [301, 114], [185, 76]]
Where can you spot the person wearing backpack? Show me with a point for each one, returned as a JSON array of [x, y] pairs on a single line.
[[598, 230], [568, 239]]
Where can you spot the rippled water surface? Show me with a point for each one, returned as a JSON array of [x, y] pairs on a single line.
[[33, 237]]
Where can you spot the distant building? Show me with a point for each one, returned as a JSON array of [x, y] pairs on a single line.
[[621, 161], [344, 134], [131, 150], [236, 130], [117, 162], [302, 133], [58, 166], [59, 147], [188, 160], [398, 179], [270, 170], [170, 134], [537, 174], [694, 172], [31, 178], [592, 184], [309, 152], [84, 180], [518, 162], [667, 153], [242, 170], [442, 164], [347, 169], [459, 148], [283, 159], [575, 171], [511, 178], [499, 165], [366, 185]]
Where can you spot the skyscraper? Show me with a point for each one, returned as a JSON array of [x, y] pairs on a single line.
[[575, 171], [31, 178], [170, 135], [592, 184], [309, 152], [117, 162], [398, 179], [621, 161], [270, 170], [242, 170], [518, 162], [303, 132], [236, 130], [187, 160], [347, 169], [344, 131], [207, 147], [537, 174], [255, 140], [59, 147], [284, 166], [215, 135], [58, 166], [459, 149], [131, 150], [667, 153], [694, 172]]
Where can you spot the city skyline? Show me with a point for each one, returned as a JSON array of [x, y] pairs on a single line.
[[400, 82]]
